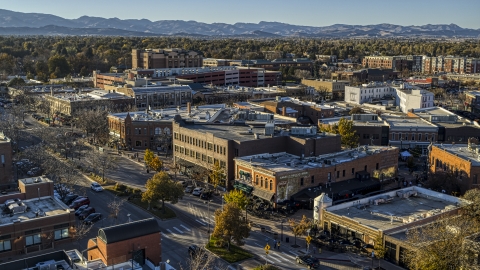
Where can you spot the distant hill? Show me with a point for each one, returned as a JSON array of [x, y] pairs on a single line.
[[18, 23]]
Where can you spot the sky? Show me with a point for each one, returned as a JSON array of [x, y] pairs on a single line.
[[464, 13]]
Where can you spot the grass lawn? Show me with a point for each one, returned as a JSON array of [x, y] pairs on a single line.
[[235, 253]]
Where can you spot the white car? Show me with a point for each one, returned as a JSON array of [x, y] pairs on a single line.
[[96, 187], [197, 191]]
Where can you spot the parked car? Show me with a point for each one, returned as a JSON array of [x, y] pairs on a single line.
[[85, 213], [77, 203], [183, 183], [80, 210], [189, 189], [197, 191], [92, 218], [195, 251], [70, 198], [206, 195], [308, 260], [96, 187]]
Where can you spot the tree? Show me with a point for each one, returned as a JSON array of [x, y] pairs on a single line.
[[345, 129], [217, 173], [156, 164], [114, 208], [161, 188], [379, 249], [356, 110], [59, 66], [447, 182], [16, 82], [230, 226], [439, 245], [299, 227], [237, 197], [472, 210], [148, 157], [103, 162]]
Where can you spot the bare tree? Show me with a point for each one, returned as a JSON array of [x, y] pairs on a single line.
[[114, 208], [201, 259], [104, 162]]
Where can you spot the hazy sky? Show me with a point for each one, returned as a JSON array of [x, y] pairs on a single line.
[[465, 13]]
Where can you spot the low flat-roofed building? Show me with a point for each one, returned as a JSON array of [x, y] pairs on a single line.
[[36, 219], [387, 216], [281, 175], [452, 128], [328, 88], [472, 100], [408, 132], [461, 159]]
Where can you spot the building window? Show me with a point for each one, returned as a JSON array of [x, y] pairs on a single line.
[[419, 137], [353, 171], [271, 184], [236, 152], [5, 245], [61, 234], [426, 137], [413, 137], [338, 174], [474, 180], [312, 179], [158, 131], [261, 181], [329, 177], [34, 239], [365, 168], [393, 136], [256, 180], [301, 181]]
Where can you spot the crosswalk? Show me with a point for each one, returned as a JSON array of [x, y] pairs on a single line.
[[184, 231], [201, 216], [180, 231], [274, 256]]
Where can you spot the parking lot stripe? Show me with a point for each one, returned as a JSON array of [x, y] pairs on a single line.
[[185, 227], [178, 230]]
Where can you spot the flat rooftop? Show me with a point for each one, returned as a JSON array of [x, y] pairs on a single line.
[[35, 209], [335, 120], [408, 122], [93, 95], [160, 88], [462, 151], [388, 210], [284, 162]]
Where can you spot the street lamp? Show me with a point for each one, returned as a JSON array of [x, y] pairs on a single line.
[[208, 204], [281, 237]]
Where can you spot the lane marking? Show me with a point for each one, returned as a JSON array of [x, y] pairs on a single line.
[[288, 255], [278, 255], [257, 244], [172, 233], [200, 222], [181, 225], [165, 235], [178, 230], [296, 254]]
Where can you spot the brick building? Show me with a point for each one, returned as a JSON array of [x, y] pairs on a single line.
[[156, 96], [73, 103], [366, 75], [137, 240], [461, 159], [165, 58], [6, 154], [204, 145], [37, 220], [281, 175], [276, 64], [152, 129], [396, 63], [308, 112]]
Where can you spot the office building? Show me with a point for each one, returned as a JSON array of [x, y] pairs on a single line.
[[6, 155], [165, 58]]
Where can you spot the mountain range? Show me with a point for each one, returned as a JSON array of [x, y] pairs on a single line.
[[18, 23]]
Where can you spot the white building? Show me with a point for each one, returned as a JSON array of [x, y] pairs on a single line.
[[407, 97]]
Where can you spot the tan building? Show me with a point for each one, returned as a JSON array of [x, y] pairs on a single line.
[[6, 153], [461, 159], [36, 220], [305, 112], [332, 88], [282, 175], [165, 58], [205, 144], [136, 240], [213, 62], [386, 217], [396, 63], [73, 103], [156, 96]]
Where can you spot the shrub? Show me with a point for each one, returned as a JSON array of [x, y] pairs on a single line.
[[120, 187]]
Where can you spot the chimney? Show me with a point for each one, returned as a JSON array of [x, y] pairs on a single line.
[[189, 108], [284, 110]]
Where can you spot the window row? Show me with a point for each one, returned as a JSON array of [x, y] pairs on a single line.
[[411, 137], [199, 156], [201, 143], [152, 131]]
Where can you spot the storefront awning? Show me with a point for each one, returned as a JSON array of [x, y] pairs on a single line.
[[263, 194]]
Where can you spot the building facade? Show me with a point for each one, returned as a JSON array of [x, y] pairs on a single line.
[[165, 58], [6, 161], [334, 88], [151, 96], [298, 109]]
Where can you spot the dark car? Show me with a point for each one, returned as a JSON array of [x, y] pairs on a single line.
[[85, 213], [206, 195], [70, 198], [92, 218], [80, 210], [308, 260]]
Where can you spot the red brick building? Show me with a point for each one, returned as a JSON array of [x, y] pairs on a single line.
[[137, 240], [6, 169], [36, 220]]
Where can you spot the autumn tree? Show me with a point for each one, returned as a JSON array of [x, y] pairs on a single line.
[[156, 164], [236, 197], [148, 157], [379, 249], [299, 227], [348, 134], [230, 226], [161, 188], [356, 110], [217, 173], [472, 210]]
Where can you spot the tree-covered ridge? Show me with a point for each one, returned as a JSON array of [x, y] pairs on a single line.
[[51, 57]]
